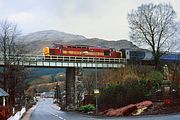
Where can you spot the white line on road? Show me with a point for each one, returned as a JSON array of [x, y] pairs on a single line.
[[58, 116]]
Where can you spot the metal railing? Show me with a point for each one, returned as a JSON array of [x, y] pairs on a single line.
[[38, 60], [62, 58]]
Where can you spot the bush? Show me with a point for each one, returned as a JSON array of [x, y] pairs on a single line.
[[86, 108], [125, 93], [156, 78], [133, 88]]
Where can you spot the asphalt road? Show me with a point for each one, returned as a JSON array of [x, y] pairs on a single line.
[[45, 110]]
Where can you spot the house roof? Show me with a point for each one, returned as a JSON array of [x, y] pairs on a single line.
[[3, 93]]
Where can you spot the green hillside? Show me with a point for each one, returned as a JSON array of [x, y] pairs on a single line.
[[45, 75]]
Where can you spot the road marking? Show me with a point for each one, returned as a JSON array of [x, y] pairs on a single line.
[[61, 118], [58, 116]]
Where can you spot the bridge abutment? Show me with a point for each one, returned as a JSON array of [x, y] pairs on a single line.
[[73, 81], [70, 89]]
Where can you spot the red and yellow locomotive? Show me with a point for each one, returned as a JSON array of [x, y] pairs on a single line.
[[82, 50]]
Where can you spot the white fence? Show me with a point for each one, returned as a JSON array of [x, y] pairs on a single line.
[[18, 115]]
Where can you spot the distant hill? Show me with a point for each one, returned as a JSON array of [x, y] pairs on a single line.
[[118, 44], [36, 41], [44, 75], [50, 35]]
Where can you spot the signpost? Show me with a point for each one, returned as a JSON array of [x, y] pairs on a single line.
[[96, 92]]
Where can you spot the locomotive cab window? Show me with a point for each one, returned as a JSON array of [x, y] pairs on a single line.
[[52, 52], [106, 52]]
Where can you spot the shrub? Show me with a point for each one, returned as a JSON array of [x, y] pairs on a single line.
[[132, 88], [156, 78], [86, 108], [124, 93], [131, 77]]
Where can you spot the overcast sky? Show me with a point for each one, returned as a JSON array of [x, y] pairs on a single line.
[[105, 19]]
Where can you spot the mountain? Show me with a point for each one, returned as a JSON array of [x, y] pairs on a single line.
[[119, 44], [36, 41], [44, 75], [50, 35]]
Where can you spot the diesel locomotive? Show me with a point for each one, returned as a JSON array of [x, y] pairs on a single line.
[[81, 50]]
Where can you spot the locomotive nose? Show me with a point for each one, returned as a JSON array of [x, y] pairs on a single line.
[[46, 51]]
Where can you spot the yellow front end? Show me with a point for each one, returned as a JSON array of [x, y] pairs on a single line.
[[46, 51]]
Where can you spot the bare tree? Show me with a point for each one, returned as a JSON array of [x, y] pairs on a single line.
[[13, 74], [8, 34], [153, 26], [89, 81]]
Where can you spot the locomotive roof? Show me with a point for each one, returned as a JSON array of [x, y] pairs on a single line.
[[72, 45], [78, 45]]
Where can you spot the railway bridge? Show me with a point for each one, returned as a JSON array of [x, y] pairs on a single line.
[[73, 64]]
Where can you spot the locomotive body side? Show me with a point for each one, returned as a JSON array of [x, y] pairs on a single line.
[[86, 51]]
